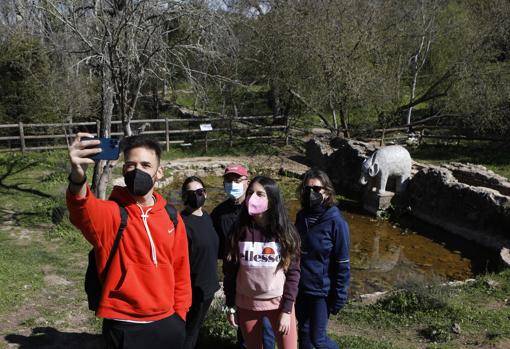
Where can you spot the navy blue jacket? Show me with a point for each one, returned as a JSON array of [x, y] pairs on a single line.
[[325, 265]]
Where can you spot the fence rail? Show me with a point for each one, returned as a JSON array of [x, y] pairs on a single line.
[[47, 136]]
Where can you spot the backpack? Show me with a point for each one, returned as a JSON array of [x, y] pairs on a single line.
[[93, 287]]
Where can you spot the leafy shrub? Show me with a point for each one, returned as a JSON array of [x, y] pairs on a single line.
[[216, 331], [415, 298]]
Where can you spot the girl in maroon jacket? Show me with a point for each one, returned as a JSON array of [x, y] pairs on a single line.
[[261, 267]]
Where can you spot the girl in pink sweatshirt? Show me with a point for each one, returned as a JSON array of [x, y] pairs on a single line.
[[261, 267]]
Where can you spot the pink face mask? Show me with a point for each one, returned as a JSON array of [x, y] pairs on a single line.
[[256, 204]]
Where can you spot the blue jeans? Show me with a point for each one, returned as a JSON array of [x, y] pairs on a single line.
[[267, 336], [312, 316]]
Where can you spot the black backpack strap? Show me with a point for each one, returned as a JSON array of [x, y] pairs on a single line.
[[122, 226], [172, 212]]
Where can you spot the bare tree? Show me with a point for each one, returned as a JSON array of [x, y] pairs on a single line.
[[127, 42]]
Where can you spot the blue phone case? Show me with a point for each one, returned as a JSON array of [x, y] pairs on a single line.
[[110, 148]]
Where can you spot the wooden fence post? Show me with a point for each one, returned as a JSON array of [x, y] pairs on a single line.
[[167, 136], [206, 141], [22, 137], [287, 129], [382, 137]]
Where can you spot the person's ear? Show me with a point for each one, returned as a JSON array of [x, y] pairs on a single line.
[[160, 173]]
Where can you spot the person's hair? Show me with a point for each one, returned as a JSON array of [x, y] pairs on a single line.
[[278, 225], [187, 181], [140, 141], [329, 190]]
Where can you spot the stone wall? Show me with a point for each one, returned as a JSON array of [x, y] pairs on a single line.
[[476, 212], [341, 159], [464, 199]]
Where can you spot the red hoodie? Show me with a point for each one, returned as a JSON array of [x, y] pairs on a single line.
[[149, 277]]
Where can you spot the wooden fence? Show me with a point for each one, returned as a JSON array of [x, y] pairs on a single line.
[[421, 133], [182, 131]]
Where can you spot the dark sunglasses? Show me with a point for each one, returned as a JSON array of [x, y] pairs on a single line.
[[315, 188], [199, 191]]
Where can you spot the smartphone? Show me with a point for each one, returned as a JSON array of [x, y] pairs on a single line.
[[110, 148]]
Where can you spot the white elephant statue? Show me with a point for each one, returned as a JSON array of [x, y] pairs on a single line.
[[394, 161]]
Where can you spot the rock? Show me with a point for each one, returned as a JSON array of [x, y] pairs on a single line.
[[476, 213], [505, 255], [492, 284], [456, 328], [56, 280], [372, 298], [320, 131], [479, 176]]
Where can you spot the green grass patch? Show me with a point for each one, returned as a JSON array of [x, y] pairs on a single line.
[[245, 148], [494, 156], [358, 342], [442, 316], [19, 280]]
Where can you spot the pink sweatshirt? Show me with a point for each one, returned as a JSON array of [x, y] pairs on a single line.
[[257, 275]]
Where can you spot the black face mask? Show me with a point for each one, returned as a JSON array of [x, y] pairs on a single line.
[[312, 200], [194, 200], [138, 182]]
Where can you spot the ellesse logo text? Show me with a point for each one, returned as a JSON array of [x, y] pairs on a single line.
[[259, 253]]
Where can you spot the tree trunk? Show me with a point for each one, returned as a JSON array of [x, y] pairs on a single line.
[[335, 122], [276, 105], [343, 122], [102, 168], [155, 101]]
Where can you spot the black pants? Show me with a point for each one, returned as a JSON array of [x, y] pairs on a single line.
[[165, 333], [194, 321]]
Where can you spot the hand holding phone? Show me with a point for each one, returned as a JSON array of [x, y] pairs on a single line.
[[110, 148]]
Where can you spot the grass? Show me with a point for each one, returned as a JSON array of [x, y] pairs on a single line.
[[494, 156], [437, 316], [32, 248], [249, 148]]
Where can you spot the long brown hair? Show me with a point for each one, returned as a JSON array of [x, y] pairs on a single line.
[[278, 225]]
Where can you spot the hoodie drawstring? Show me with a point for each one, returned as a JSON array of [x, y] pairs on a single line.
[[145, 216]]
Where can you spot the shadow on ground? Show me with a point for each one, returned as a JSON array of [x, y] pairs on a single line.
[[49, 337]]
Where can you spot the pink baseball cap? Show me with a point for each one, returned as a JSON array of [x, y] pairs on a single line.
[[237, 169]]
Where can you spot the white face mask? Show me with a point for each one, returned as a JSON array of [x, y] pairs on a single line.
[[234, 190]]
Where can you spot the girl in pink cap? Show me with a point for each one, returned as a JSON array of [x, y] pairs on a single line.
[[261, 268]]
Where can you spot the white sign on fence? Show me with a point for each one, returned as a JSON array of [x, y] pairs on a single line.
[[205, 127]]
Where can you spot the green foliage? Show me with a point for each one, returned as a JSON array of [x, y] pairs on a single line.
[[360, 342], [216, 331], [495, 156], [222, 148], [25, 70], [415, 298]]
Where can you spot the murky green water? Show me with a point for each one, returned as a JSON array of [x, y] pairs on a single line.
[[383, 255]]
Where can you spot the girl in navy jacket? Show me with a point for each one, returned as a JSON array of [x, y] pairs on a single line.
[[325, 267]]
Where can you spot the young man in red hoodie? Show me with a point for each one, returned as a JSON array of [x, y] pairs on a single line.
[[147, 291]]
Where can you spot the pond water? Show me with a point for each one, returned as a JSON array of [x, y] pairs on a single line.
[[383, 254]]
